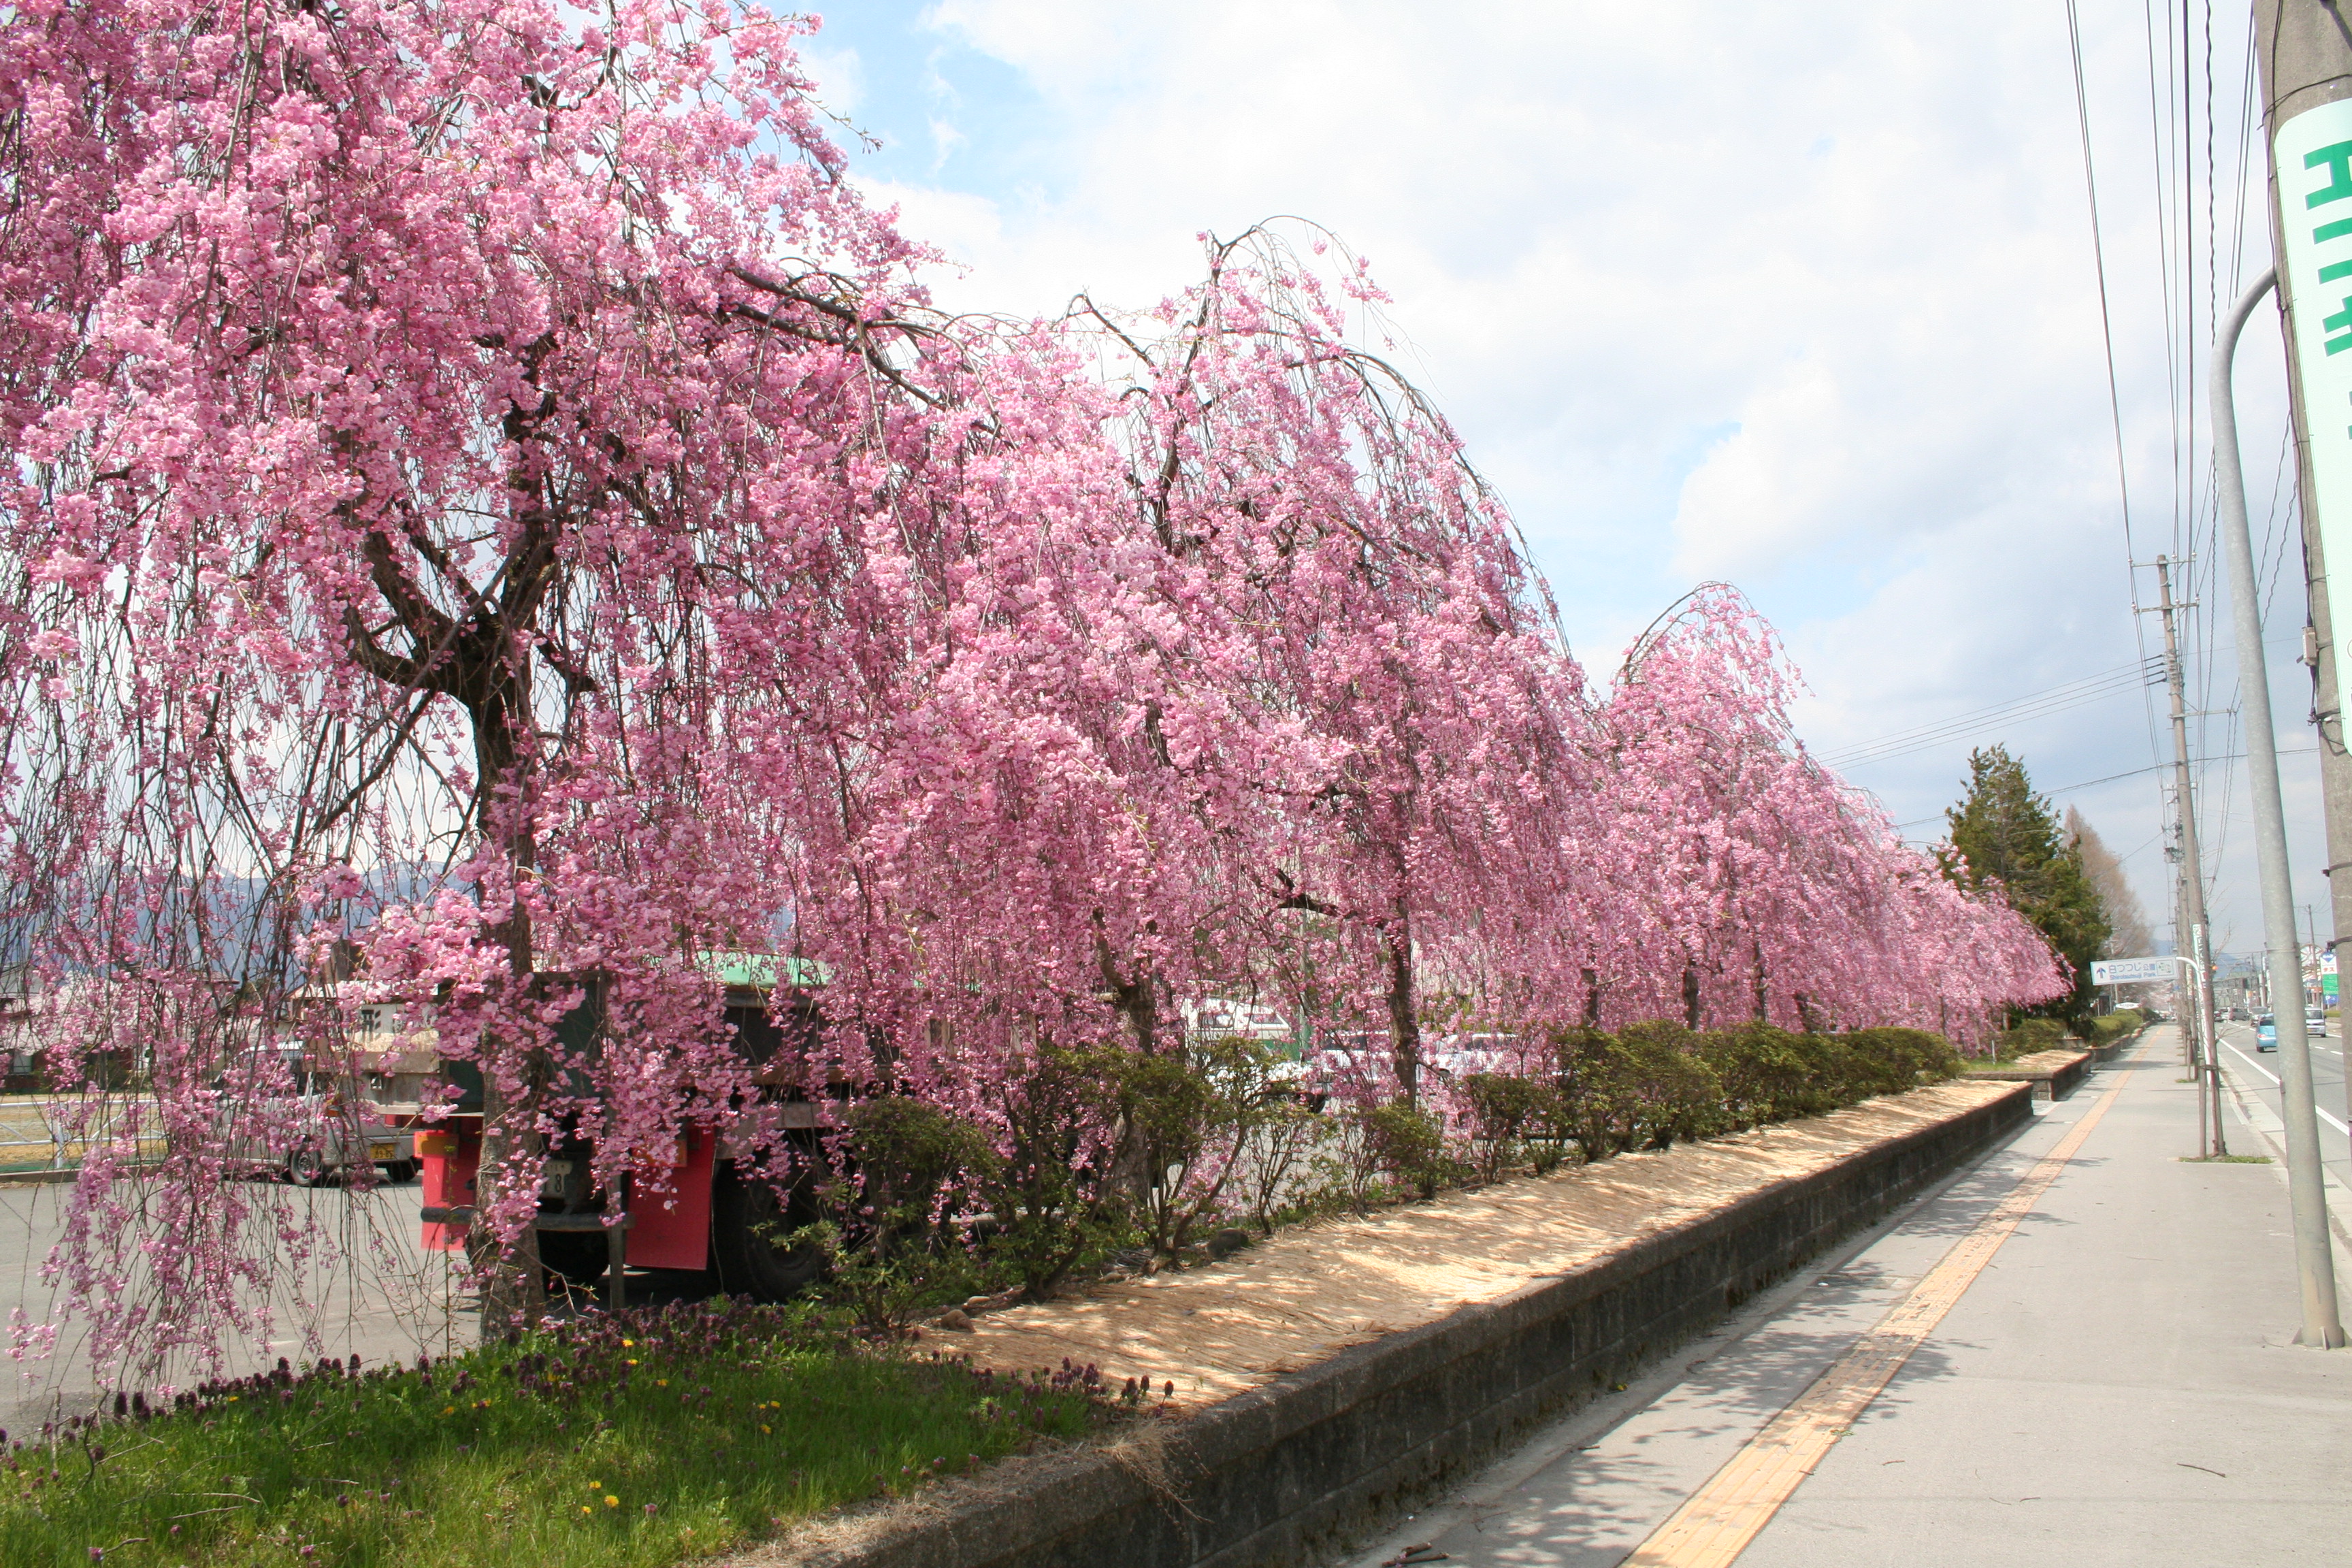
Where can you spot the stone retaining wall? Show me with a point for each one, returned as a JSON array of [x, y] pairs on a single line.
[[2053, 1074], [1271, 1474]]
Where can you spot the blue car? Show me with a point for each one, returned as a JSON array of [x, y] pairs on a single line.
[[2265, 1032]]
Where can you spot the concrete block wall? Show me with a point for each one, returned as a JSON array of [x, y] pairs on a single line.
[[1268, 1477]]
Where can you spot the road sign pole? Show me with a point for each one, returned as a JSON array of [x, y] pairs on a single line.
[[2304, 54], [2314, 1261]]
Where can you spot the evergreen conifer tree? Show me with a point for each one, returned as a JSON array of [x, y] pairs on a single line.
[[2002, 832]]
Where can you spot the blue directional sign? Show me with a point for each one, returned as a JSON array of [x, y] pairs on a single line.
[[2125, 971]]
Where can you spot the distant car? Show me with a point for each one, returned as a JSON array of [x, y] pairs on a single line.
[[2265, 1032], [2314, 1022]]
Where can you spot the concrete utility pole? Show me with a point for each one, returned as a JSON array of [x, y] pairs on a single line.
[[2304, 51], [2314, 1265], [2198, 939]]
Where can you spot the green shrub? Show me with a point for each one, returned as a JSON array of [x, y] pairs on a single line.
[[884, 1291], [1286, 1141], [1678, 1095], [912, 1166], [1507, 1116], [1890, 1061], [2028, 1036], [1408, 1143], [1770, 1075], [1056, 1194], [886, 1229], [2114, 1026], [1643, 1088], [1187, 1120]]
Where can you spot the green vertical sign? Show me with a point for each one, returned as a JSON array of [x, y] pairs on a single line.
[[2314, 154]]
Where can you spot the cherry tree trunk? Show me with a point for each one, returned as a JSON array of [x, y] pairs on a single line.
[[514, 1286], [1404, 1021]]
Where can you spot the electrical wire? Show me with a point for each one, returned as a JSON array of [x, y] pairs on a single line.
[[2108, 338], [2035, 705], [2127, 774]]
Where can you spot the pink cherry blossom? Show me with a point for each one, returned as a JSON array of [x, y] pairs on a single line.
[[495, 521]]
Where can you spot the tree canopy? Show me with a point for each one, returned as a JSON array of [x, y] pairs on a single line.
[[484, 492], [2005, 836], [2128, 934]]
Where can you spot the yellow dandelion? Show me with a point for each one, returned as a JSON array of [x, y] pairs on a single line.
[[612, 1501]]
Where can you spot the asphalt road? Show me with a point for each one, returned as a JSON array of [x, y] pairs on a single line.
[[2114, 1385], [2257, 1073], [379, 1295], [375, 1293]]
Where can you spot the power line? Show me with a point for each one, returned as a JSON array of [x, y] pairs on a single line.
[[2108, 337], [2034, 705], [2127, 773]]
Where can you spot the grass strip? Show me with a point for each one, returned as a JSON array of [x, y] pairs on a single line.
[[644, 1439]]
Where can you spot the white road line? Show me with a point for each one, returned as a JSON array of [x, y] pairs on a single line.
[[2250, 1061], [2273, 1077]]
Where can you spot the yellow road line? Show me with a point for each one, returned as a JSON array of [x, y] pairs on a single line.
[[1716, 1522]]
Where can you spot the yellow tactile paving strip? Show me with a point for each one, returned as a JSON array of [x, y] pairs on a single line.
[[1715, 1525]]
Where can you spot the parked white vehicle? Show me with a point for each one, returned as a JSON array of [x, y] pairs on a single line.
[[1224, 1018], [287, 1118]]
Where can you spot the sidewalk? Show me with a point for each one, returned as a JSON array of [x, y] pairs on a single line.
[[2114, 1386]]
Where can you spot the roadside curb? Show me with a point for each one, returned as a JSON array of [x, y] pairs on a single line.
[[1269, 1475]]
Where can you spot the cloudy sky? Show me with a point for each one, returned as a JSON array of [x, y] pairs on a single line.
[[1799, 297]]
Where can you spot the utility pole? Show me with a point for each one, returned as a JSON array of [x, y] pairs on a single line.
[[2311, 980], [2199, 944], [2304, 51]]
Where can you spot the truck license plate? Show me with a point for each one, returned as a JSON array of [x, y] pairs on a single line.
[[379, 1151]]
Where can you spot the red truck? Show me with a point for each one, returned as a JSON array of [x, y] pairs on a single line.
[[704, 1216]]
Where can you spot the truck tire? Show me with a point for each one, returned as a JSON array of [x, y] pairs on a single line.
[[748, 1220]]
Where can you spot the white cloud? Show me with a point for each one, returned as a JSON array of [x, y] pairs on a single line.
[[945, 139], [1797, 296], [839, 75]]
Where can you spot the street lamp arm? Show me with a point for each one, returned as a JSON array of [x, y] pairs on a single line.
[[2314, 1262]]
